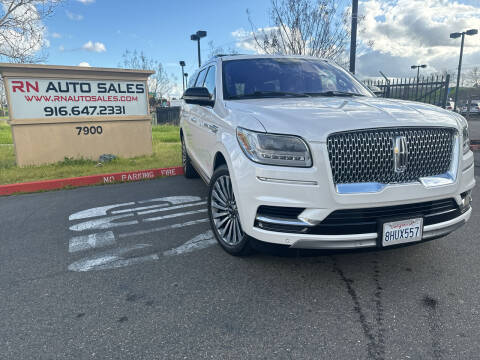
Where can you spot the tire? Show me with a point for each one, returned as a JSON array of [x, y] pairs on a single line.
[[223, 214], [188, 169]]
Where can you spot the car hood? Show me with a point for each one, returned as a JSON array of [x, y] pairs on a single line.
[[315, 118]]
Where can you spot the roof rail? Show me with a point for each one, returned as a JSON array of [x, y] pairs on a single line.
[[216, 56]]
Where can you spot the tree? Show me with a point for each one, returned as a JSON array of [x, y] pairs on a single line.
[[159, 83], [214, 50], [22, 32], [473, 76], [304, 27]]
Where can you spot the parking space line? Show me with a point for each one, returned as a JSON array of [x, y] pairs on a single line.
[[173, 199], [97, 211], [139, 208], [112, 259], [103, 223], [172, 208], [169, 216], [162, 228], [91, 241], [199, 242]]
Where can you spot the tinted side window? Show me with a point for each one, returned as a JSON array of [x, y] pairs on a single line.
[[210, 80], [200, 78]]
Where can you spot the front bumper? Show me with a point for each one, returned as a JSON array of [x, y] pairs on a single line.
[[312, 189]]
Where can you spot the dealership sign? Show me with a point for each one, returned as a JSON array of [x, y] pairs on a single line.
[[59, 112], [40, 98]]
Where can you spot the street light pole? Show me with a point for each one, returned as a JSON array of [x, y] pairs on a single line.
[[186, 79], [455, 36], [196, 37], [423, 66], [457, 89], [182, 64], [353, 36]]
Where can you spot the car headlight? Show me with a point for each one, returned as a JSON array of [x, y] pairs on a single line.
[[466, 140], [271, 149]]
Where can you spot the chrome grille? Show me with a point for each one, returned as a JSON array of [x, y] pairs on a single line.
[[363, 156]]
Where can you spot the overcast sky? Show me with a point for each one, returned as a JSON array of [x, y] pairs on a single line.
[[403, 32]]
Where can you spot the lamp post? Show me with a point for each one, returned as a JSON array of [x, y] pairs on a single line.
[[418, 69], [196, 37], [418, 76], [186, 79], [456, 36], [182, 64], [353, 36]]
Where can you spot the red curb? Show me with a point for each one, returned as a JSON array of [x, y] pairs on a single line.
[[89, 180]]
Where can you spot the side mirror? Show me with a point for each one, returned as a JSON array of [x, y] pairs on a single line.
[[198, 96]]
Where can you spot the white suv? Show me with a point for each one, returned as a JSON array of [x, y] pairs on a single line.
[[298, 152]]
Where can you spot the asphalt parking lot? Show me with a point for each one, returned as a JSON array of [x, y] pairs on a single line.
[[130, 271]]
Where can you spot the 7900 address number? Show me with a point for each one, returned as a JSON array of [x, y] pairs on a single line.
[[89, 130]]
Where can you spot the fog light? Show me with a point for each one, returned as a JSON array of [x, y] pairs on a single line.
[[466, 200]]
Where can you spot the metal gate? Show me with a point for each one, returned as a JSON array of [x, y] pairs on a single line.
[[431, 90], [169, 115]]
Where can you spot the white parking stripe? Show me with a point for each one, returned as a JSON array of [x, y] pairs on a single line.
[[139, 208], [97, 211], [174, 215], [199, 242], [91, 241], [112, 259], [103, 223], [173, 199], [172, 208], [162, 228]]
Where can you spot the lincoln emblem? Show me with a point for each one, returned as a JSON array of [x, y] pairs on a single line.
[[400, 154]]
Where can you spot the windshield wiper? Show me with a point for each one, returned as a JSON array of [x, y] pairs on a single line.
[[335, 93], [260, 94]]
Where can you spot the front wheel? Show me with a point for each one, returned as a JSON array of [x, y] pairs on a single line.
[[223, 213]]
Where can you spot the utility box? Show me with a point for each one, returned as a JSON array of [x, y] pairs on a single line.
[[59, 112]]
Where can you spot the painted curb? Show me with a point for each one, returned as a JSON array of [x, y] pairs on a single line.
[[89, 180]]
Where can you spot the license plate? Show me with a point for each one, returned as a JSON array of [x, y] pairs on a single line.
[[400, 232]]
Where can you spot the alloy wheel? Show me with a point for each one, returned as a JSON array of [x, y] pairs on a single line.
[[225, 212]]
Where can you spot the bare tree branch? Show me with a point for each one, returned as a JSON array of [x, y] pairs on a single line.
[[473, 76], [22, 32], [160, 83], [304, 27]]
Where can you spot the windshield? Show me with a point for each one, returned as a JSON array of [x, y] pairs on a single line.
[[279, 77]]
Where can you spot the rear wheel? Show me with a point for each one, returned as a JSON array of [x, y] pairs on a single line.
[[188, 169], [223, 213]]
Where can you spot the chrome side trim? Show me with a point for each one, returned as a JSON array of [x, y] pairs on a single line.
[[333, 244], [438, 226], [286, 181], [282, 221]]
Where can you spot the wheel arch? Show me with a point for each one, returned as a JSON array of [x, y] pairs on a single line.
[[219, 160]]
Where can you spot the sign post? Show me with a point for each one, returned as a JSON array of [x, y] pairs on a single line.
[[59, 112]]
